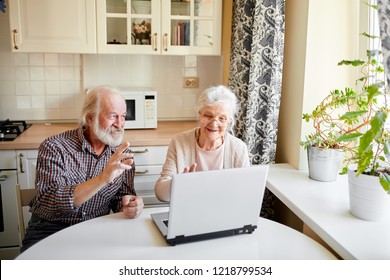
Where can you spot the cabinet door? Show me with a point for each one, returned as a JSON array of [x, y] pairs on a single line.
[[26, 164], [53, 26], [172, 27], [148, 165], [192, 27], [131, 26]]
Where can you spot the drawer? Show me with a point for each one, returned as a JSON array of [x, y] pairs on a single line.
[[146, 177], [145, 170], [145, 189], [145, 183], [149, 155]]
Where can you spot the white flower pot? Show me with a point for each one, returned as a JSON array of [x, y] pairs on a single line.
[[367, 199], [324, 164]]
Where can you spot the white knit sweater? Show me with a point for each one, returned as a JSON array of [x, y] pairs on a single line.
[[181, 153]]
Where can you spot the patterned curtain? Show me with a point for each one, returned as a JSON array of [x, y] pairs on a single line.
[[384, 27], [256, 78]]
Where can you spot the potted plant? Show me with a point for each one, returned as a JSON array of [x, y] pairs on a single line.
[[368, 166], [356, 122], [336, 120]]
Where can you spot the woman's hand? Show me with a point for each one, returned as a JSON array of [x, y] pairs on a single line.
[[192, 168]]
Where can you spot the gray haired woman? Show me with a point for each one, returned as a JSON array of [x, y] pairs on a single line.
[[207, 147]]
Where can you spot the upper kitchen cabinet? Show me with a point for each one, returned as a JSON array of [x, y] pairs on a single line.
[[53, 26], [176, 27]]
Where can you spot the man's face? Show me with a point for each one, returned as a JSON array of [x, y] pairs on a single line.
[[109, 125]]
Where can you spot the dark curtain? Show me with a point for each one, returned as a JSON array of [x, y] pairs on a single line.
[[256, 78]]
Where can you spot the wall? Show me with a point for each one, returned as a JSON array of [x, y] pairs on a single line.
[[319, 34], [163, 73], [226, 38], [51, 87]]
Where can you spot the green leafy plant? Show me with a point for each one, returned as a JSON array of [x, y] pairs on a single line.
[[355, 120], [372, 151], [340, 114]]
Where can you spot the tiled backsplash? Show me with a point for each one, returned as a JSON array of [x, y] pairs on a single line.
[[162, 73], [51, 87], [39, 86]]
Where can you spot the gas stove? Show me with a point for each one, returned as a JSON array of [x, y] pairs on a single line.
[[10, 129]]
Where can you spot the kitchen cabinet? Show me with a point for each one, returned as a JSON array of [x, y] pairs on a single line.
[[9, 237], [53, 26], [148, 160], [148, 164], [26, 161], [190, 27]]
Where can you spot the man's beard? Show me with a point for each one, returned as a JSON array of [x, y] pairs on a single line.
[[106, 135]]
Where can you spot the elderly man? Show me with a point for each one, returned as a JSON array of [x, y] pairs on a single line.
[[86, 172]]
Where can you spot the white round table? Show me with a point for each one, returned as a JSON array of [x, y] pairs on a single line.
[[116, 237]]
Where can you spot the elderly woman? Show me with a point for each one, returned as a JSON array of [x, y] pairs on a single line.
[[208, 146]]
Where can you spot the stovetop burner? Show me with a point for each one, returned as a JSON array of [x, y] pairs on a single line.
[[10, 129]]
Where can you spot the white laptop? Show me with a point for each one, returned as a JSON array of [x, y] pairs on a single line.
[[211, 204]]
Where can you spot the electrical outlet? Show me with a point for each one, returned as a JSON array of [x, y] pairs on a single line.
[[190, 82]]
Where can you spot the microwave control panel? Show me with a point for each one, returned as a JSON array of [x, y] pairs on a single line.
[[150, 108]]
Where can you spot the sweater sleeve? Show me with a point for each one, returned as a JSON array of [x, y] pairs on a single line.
[[181, 153]]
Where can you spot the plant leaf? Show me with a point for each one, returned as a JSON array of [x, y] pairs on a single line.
[[373, 90], [377, 123], [364, 161], [365, 34], [352, 115], [384, 179], [348, 137], [373, 53], [344, 170], [356, 62], [365, 141], [387, 150]]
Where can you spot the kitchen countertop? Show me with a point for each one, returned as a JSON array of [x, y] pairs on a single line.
[[161, 136]]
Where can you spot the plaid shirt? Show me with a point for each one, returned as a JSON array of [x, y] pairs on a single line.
[[65, 161]]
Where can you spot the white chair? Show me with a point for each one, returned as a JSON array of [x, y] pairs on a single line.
[[23, 198]]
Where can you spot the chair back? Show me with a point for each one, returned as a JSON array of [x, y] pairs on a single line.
[[23, 198]]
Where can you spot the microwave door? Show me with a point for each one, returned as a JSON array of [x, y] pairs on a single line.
[[134, 114]]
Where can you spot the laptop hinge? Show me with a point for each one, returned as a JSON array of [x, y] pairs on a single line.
[[248, 228]]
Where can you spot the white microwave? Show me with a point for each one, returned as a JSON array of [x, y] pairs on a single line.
[[141, 108]]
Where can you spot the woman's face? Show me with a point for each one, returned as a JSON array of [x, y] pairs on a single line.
[[214, 120]]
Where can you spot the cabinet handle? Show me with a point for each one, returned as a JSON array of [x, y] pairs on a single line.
[[21, 155], [3, 178], [139, 151], [165, 42], [15, 32], [141, 172], [155, 42]]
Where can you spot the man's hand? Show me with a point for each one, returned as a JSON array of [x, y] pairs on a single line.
[[132, 205], [118, 163]]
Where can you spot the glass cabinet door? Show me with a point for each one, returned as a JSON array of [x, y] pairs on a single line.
[[191, 25], [128, 25], [159, 26], [129, 22]]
